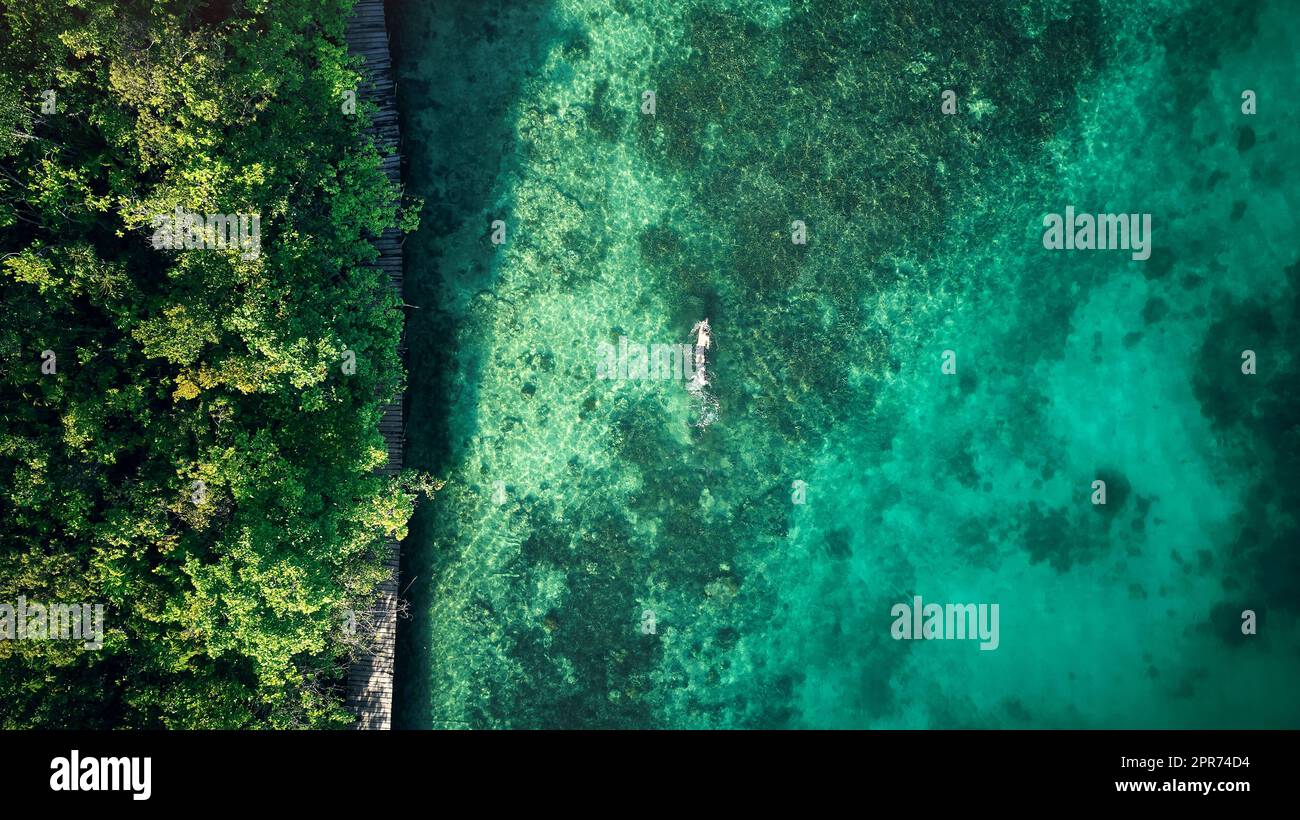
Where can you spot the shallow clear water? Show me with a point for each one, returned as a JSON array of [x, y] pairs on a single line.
[[577, 505]]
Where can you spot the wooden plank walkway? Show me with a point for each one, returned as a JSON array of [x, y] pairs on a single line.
[[370, 680]]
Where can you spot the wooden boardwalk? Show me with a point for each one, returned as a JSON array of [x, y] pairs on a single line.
[[370, 680]]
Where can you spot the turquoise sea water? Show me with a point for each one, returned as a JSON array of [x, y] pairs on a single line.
[[597, 560]]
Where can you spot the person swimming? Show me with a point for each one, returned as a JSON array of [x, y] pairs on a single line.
[[699, 379]]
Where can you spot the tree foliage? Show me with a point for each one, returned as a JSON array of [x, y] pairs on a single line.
[[198, 461]]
